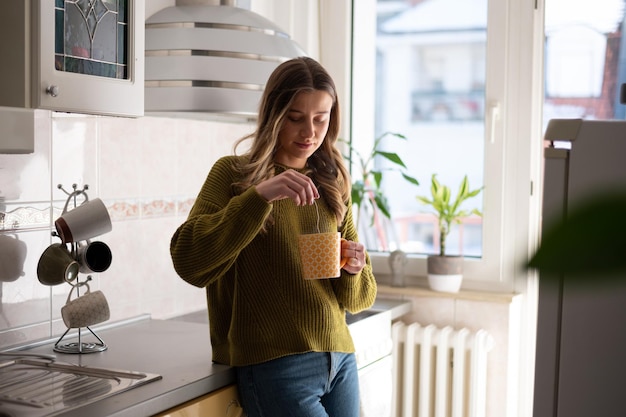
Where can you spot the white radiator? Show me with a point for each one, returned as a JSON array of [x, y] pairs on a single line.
[[439, 372]]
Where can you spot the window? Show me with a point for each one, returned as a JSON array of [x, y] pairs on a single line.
[[464, 88], [585, 59], [430, 81]]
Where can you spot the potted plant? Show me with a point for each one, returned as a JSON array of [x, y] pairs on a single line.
[[367, 194], [445, 272]]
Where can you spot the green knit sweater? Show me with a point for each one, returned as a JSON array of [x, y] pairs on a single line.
[[260, 307]]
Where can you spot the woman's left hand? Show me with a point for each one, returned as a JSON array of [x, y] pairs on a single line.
[[354, 252]]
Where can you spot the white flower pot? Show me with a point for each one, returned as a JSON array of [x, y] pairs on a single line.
[[445, 273], [445, 283]]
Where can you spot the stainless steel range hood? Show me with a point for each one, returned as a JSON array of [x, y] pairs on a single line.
[[210, 60]]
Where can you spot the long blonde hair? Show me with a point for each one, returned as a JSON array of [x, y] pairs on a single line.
[[326, 166]]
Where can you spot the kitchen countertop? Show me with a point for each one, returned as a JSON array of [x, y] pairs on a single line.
[[397, 308], [178, 349]]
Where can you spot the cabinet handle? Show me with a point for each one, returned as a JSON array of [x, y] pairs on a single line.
[[53, 90]]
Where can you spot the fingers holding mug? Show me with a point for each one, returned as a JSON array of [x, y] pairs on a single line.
[[353, 256], [353, 262]]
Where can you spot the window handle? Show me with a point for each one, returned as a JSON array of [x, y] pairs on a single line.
[[494, 116]]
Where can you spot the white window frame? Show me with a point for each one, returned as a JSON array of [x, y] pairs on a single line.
[[514, 97]]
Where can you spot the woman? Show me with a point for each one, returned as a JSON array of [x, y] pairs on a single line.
[[286, 337]]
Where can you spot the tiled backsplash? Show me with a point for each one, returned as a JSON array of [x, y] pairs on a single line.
[[147, 171]]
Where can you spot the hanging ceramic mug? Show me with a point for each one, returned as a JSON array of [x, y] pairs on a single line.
[[56, 265], [12, 256], [88, 309], [93, 257], [88, 220]]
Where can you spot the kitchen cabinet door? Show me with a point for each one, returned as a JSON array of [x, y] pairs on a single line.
[[221, 403], [84, 56]]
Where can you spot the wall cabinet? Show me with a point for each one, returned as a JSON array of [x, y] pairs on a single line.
[[84, 56], [221, 403]]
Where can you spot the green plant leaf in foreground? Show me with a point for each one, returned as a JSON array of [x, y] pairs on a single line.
[[590, 243]]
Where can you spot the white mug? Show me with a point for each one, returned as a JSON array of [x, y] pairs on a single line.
[[86, 310], [12, 256], [88, 220]]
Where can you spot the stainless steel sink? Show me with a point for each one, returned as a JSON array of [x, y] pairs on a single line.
[[42, 387]]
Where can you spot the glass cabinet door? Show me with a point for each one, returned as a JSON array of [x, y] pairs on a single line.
[[90, 56], [91, 37]]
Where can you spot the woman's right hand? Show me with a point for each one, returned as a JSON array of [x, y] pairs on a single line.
[[289, 184]]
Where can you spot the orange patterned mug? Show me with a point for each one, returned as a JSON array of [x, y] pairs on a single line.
[[321, 255]]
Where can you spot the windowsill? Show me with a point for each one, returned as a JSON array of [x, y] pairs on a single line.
[[413, 291]]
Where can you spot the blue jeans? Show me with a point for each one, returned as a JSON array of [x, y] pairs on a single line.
[[314, 384]]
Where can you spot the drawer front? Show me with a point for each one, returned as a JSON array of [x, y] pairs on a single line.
[[221, 403]]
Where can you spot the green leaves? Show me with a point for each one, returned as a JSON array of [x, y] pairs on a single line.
[[590, 243], [448, 213], [367, 188], [410, 179], [393, 157], [358, 191]]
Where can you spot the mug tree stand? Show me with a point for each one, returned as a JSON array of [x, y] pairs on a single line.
[[80, 346]]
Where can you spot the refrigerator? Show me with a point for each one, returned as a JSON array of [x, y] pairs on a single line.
[[580, 368]]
